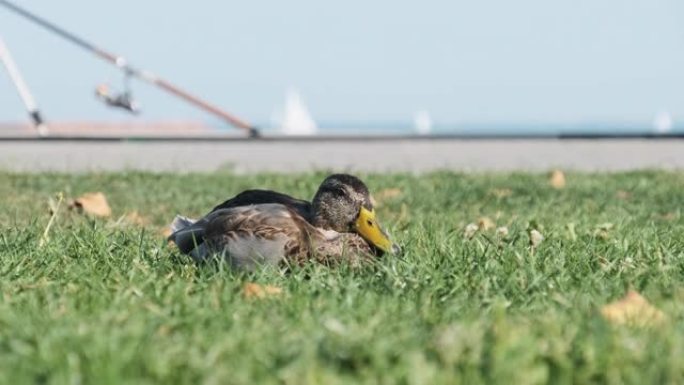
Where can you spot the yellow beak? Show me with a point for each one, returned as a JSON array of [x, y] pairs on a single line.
[[370, 230]]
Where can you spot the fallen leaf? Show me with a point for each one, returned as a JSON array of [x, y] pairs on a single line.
[[605, 226], [485, 223], [632, 309], [502, 232], [166, 232], [388, 193], [536, 238], [622, 194], [94, 204], [383, 195], [557, 179], [605, 264], [254, 290], [164, 330], [60, 311], [470, 230], [135, 218], [602, 231], [403, 213], [335, 326], [501, 192]]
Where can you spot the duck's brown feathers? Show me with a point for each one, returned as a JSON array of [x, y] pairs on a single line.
[[247, 236]]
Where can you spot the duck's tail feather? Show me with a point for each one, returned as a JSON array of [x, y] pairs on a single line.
[[180, 222], [187, 233]]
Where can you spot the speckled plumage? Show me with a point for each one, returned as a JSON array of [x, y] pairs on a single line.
[[259, 227]]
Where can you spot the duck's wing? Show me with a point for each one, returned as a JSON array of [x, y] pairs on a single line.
[[255, 197], [247, 236], [253, 235], [188, 234]]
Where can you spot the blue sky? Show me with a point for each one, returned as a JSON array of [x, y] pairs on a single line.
[[525, 61]]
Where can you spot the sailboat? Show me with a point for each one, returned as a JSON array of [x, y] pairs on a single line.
[[663, 122], [296, 117], [422, 122]]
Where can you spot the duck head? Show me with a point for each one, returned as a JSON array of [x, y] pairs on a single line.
[[342, 203]]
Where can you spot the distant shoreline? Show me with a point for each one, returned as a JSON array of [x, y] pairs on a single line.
[[197, 130]]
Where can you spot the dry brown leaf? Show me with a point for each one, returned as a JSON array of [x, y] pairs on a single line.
[[632, 309], [536, 238], [166, 231], [388, 193], [403, 213], [502, 232], [622, 194], [383, 195], [470, 230], [94, 204], [602, 231], [485, 223], [501, 192], [135, 218], [254, 290], [557, 179], [164, 330]]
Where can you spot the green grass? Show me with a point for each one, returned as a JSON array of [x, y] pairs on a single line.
[[105, 302]]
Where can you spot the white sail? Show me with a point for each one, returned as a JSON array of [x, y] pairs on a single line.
[[663, 122], [296, 118], [422, 122]]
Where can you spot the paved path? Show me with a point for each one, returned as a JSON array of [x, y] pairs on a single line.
[[244, 156]]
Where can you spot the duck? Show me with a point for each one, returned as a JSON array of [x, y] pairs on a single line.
[[263, 227]]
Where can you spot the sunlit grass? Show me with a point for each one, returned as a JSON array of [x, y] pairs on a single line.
[[105, 301]]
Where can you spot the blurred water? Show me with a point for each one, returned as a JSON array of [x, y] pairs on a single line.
[[478, 129]]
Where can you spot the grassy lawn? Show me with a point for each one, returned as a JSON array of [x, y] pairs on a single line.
[[107, 301]]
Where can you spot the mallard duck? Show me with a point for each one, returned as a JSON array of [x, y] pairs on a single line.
[[259, 227]]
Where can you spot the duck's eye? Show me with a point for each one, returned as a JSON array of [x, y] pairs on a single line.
[[370, 223]]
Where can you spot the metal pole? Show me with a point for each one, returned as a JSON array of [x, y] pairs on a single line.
[[22, 89], [141, 74]]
